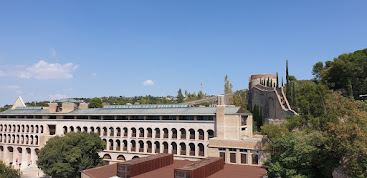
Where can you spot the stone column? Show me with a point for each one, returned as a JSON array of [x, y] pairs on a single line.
[[24, 158], [33, 156], [238, 156], [169, 148], [249, 157]]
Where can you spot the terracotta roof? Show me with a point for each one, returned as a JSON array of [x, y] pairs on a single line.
[[239, 171], [102, 172]]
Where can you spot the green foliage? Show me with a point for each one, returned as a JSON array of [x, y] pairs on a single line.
[[317, 70], [257, 117], [352, 66], [240, 99], [66, 157], [95, 103], [227, 85], [8, 172], [180, 97]]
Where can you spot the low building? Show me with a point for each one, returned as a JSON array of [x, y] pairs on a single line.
[[132, 131]]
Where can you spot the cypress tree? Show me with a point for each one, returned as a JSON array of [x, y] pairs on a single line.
[[277, 84], [294, 94], [271, 82], [267, 82]]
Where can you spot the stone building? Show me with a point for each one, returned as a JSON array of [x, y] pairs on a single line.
[[132, 131]]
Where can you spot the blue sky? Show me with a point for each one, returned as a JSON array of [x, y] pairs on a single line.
[[56, 49]]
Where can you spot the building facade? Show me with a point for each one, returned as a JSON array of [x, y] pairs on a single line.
[[132, 131]]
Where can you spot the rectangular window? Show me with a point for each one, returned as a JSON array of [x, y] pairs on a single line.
[[52, 117], [38, 117], [186, 118], [81, 117], [233, 158], [243, 158], [243, 120], [30, 117], [169, 117], [153, 118], [65, 117], [204, 118], [4, 116], [95, 117], [52, 129], [108, 118], [21, 117], [137, 118], [122, 118]]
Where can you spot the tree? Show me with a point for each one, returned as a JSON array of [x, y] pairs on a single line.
[[180, 97], [317, 70], [67, 156], [8, 172], [277, 84], [227, 85], [95, 103], [200, 95]]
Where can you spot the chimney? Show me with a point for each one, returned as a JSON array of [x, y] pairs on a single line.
[[221, 100]]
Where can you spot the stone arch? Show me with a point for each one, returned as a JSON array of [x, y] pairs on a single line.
[[201, 149], [157, 147], [192, 149], [141, 146], [110, 143], [41, 128], [118, 145], [78, 129], [71, 129], [112, 131], [28, 153], [174, 133], [149, 147], [23, 128], [121, 158], [22, 139], [27, 128], [32, 129], [37, 129], [157, 133], [133, 132], [26, 139], [192, 134], [105, 141], [31, 140], [10, 154], [106, 156], [91, 129], [18, 139], [124, 147], [183, 134], [13, 138], [65, 129], [133, 146], [18, 128], [126, 131], [165, 133], [201, 134], [118, 130], [36, 140], [174, 147], [19, 158], [150, 132], [104, 131], [85, 129], [141, 132], [210, 133], [165, 147], [135, 157], [183, 148], [1, 127], [98, 129]]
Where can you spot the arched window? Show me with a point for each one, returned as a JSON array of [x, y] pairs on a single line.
[[141, 132], [183, 148], [157, 147], [121, 157], [201, 149], [133, 132], [210, 133], [174, 133], [149, 143], [78, 129], [91, 129], [201, 134], [112, 132], [32, 128], [105, 141], [165, 133], [106, 156], [111, 144], [98, 131], [157, 133], [118, 145], [18, 128], [124, 148], [165, 147], [65, 129], [125, 132], [85, 129], [192, 134], [192, 149], [41, 128], [174, 148], [135, 157], [183, 134], [104, 131], [36, 140], [141, 146], [118, 130], [36, 128], [149, 132], [133, 146]]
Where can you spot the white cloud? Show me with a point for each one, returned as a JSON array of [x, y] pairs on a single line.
[[93, 75], [53, 52], [56, 97], [44, 70], [14, 87], [148, 83]]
